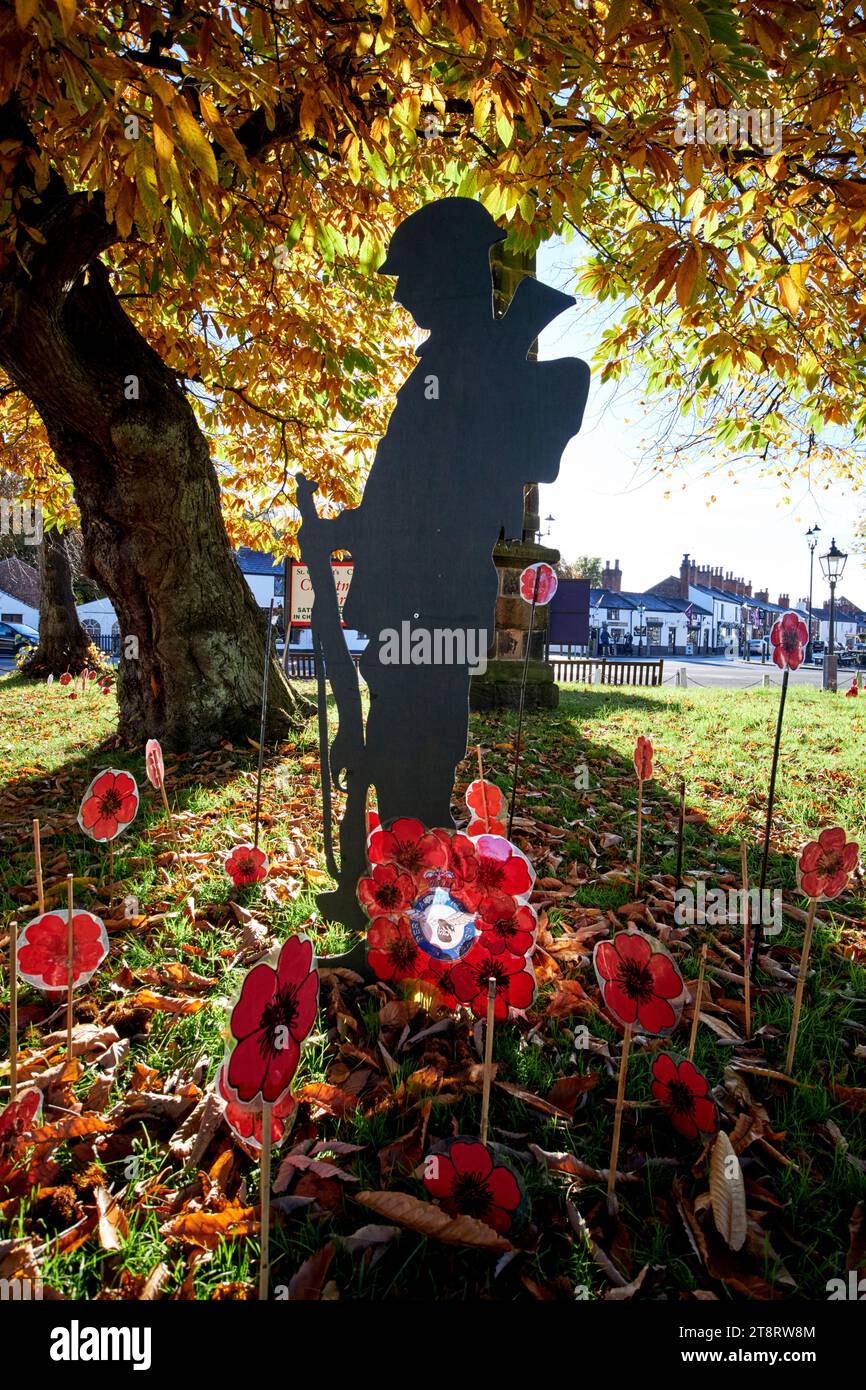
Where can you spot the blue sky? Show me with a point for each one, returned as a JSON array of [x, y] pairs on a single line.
[[608, 502]]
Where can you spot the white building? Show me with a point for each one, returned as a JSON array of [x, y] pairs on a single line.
[[14, 610]]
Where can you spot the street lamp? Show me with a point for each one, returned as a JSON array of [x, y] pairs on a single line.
[[833, 566], [641, 610], [813, 533]]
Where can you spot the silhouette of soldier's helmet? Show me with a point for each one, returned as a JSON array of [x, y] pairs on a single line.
[[447, 232]]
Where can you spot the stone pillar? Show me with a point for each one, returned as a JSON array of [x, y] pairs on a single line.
[[499, 687]]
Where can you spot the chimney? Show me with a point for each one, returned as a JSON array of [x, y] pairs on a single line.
[[747, 589], [612, 578], [762, 596], [685, 570], [784, 601]]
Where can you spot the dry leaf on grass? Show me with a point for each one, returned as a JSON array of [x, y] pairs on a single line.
[[431, 1221], [728, 1193], [308, 1283], [111, 1225], [208, 1228]]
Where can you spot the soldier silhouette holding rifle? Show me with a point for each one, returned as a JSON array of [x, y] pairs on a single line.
[[474, 422]]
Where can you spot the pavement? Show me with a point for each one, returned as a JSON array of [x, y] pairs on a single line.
[[722, 672]]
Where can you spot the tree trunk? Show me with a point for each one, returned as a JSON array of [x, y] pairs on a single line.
[[63, 643], [192, 635]]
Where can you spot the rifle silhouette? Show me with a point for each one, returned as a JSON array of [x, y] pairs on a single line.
[[343, 764]]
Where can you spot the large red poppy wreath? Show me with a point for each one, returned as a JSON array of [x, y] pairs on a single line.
[[450, 911]]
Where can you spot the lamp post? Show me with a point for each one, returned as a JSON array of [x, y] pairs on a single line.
[[641, 610], [833, 566], [812, 539]]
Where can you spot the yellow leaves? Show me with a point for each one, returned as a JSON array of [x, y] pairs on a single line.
[[311, 107], [24, 11], [687, 276], [618, 16], [66, 10], [223, 132], [192, 138], [792, 286]]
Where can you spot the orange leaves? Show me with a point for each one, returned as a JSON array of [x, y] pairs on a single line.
[[208, 1228]]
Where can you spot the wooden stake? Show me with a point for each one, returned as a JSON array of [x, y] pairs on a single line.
[[747, 971], [639, 830], [696, 1016], [263, 721], [37, 857], [801, 984], [13, 1009], [522, 702], [483, 790], [173, 833], [110, 871], [617, 1119], [757, 935], [264, 1265], [681, 831], [70, 965], [488, 1059]]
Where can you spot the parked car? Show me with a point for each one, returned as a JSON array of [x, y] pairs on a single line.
[[758, 646], [16, 638]]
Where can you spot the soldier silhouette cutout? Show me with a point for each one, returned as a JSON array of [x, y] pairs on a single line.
[[474, 423]]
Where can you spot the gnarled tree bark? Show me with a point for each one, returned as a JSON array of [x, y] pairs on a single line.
[[192, 635], [63, 643]]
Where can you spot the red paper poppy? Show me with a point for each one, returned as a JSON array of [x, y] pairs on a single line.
[[436, 977], [466, 1181], [246, 1120], [393, 953], [485, 799], [43, 944], [109, 805], [20, 1116], [640, 982], [246, 865], [407, 843], [153, 763], [492, 864], [643, 758], [515, 981], [506, 925], [65, 678], [272, 1017], [546, 580], [684, 1093], [374, 820], [825, 864], [789, 637], [480, 827], [387, 892]]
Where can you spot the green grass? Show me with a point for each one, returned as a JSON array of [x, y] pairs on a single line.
[[719, 741]]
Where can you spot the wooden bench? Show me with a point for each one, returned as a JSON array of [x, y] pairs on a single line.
[[593, 670], [302, 665]]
